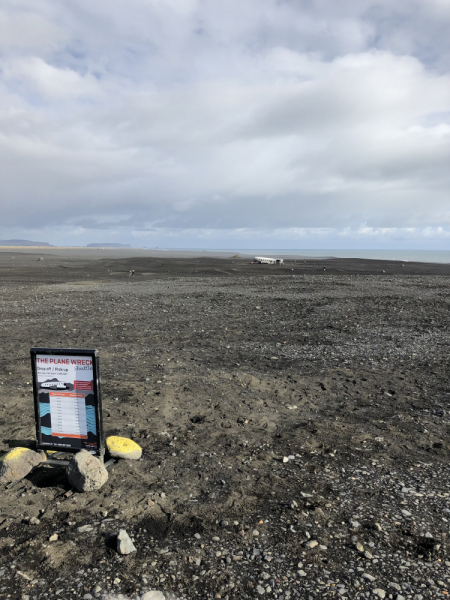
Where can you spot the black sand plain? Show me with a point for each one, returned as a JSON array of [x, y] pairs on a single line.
[[276, 406]]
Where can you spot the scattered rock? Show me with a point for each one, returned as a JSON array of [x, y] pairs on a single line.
[[18, 463], [368, 576], [120, 447], [124, 543], [359, 547], [86, 472], [53, 538], [379, 592], [311, 544]]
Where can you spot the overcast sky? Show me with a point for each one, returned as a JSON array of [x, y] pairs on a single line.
[[226, 123]]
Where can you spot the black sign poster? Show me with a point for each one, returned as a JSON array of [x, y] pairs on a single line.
[[67, 399]]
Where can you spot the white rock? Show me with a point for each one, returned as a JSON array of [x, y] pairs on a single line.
[[153, 595], [124, 543]]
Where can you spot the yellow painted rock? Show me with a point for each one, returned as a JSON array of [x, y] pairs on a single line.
[[18, 463], [119, 447]]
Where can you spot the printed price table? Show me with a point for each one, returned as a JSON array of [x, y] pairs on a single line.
[[68, 415]]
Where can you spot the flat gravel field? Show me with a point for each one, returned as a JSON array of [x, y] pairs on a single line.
[[294, 423]]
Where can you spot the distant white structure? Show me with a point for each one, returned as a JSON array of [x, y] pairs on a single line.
[[268, 261]]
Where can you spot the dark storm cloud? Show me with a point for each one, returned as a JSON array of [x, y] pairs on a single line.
[[212, 115]]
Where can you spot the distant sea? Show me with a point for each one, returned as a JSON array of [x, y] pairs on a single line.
[[426, 256]]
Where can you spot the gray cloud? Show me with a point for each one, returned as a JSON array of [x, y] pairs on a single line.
[[191, 115]]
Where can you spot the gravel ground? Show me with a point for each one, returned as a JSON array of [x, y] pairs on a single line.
[[294, 432]]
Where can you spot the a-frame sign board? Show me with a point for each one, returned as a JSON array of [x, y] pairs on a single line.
[[67, 400]]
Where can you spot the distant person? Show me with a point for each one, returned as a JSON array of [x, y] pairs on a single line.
[[132, 273]]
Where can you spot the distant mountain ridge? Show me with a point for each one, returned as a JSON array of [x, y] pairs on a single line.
[[108, 245], [22, 243]]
